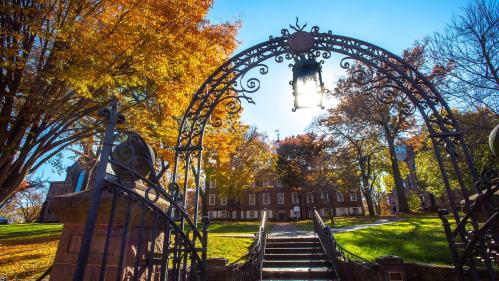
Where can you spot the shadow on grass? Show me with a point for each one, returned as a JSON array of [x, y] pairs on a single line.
[[28, 233], [420, 239]]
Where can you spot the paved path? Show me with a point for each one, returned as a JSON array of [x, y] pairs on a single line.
[[364, 225], [290, 229]]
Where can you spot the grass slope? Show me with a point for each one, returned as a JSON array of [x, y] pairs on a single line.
[[419, 239]]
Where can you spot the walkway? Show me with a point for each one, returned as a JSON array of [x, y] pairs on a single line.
[[290, 229], [287, 229], [364, 225]]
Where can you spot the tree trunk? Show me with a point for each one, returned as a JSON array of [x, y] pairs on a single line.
[[365, 186], [433, 204], [403, 206], [204, 195], [370, 203], [10, 185]]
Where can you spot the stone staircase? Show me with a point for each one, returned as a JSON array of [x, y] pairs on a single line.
[[296, 258]]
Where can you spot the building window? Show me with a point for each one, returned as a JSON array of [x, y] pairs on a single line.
[[280, 198], [353, 196], [252, 199], [266, 198], [310, 197], [213, 183], [223, 201], [81, 179], [294, 197], [212, 200], [340, 197], [325, 196]]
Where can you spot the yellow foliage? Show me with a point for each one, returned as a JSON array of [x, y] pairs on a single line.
[[26, 260]]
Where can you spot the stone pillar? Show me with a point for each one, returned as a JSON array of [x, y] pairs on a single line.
[[71, 209], [392, 268]]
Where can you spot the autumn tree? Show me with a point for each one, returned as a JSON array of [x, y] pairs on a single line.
[[355, 145], [469, 49], [476, 127], [360, 99], [303, 163], [26, 204], [63, 60], [237, 154]]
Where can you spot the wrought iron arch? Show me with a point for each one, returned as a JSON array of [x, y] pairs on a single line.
[[229, 85]]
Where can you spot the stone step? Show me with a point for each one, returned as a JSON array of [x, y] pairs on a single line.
[[295, 256], [292, 239], [303, 273], [293, 250], [296, 263], [301, 244]]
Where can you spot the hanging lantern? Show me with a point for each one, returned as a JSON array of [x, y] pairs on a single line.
[[308, 88]]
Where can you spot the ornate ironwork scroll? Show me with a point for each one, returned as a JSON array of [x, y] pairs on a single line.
[[233, 82], [249, 266], [473, 245], [349, 266]]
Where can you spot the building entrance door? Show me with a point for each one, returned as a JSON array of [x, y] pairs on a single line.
[[281, 216]]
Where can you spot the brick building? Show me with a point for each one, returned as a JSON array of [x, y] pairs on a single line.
[[282, 203]]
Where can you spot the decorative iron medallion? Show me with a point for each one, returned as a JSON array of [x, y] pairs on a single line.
[[301, 41]]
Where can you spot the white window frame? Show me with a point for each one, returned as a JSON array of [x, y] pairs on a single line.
[[212, 199], [340, 197], [353, 197], [294, 197], [223, 201], [213, 183], [251, 199], [266, 198], [325, 196], [280, 198], [310, 198]]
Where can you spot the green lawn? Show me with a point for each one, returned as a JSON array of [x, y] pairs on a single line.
[[29, 232], [419, 239], [230, 248], [235, 228], [29, 249]]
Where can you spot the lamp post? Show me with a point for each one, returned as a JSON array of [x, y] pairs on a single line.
[[308, 88]]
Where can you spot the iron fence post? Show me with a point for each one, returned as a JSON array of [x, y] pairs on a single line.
[[204, 254], [112, 116]]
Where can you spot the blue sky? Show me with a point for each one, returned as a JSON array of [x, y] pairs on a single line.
[[391, 24]]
